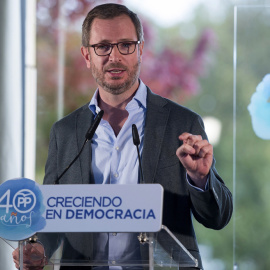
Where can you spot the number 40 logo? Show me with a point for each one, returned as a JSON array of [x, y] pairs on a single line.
[[23, 201]]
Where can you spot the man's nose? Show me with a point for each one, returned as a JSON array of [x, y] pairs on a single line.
[[115, 55]]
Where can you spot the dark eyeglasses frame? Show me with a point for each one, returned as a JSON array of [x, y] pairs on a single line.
[[112, 45]]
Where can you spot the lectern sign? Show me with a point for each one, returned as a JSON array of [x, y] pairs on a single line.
[[26, 208]]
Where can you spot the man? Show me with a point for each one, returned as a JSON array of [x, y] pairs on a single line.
[[174, 147]]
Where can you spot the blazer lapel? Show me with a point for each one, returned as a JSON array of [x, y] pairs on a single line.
[[155, 125], [84, 121]]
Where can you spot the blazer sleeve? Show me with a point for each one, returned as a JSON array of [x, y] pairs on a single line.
[[51, 241], [213, 208]]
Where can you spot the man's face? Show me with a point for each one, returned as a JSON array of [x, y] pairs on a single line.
[[114, 73]]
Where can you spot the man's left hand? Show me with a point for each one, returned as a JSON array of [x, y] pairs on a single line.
[[196, 155]]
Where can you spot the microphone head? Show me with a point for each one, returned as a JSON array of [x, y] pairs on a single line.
[[135, 135], [100, 114], [91, 131]]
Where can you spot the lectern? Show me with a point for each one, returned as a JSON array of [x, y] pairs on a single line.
[[48, 211]]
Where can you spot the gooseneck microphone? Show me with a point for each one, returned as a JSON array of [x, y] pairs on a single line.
[[136, 142], [88, 136], [142, 237], [91, 131]]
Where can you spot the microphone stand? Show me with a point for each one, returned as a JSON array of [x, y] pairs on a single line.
[[88, 136], [142, 237]]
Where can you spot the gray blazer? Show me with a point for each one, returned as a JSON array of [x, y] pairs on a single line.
[[165, 121]]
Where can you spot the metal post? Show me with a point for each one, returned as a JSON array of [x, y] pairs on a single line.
[[21, 246], [151, 252]]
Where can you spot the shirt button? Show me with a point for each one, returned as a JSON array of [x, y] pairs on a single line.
[[115, 175], [117, 148], [113, 262], [114, 234]]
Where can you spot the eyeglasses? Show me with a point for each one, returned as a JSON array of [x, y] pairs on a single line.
[[126, 47]]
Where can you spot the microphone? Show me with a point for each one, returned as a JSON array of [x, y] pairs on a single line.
[[136, 142], [142, 237], [88, 136], [91, 131]]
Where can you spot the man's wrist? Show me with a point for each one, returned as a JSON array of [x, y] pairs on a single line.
[[201, 185]]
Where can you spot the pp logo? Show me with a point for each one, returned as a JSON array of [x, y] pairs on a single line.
[[24, 201]]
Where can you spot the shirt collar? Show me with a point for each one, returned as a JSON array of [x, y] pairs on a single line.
[[140, 97]]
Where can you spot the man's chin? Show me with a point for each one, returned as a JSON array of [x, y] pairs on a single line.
[[115, 88], [118, 85]]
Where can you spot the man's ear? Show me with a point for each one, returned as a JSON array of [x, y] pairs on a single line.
[[141, 49], [86, 55]]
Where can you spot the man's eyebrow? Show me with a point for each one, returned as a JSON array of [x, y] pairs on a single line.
[[120, 40]]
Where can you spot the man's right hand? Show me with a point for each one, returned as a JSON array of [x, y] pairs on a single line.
[[33, 257]]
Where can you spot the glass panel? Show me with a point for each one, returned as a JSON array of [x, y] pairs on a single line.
[[251, 137], [57, 31], [9, 244], [156, 250]]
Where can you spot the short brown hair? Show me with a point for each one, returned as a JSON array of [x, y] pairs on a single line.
[[109, 11]]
